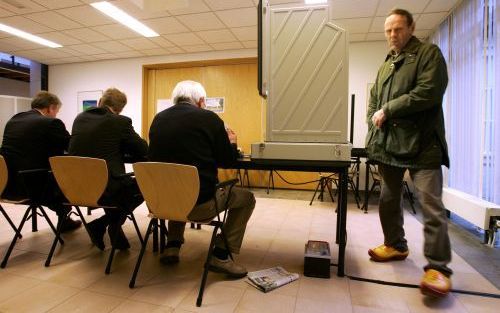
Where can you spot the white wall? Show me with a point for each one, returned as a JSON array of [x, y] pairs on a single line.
[[11, 87], [364, 60], [125, 74]]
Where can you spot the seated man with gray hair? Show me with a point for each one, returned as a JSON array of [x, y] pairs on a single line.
[[186, 133]]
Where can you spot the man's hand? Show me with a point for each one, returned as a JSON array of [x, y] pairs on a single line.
[[378, 118], [231, 135]]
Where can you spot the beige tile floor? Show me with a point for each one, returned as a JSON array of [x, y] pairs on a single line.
[[276, 234]]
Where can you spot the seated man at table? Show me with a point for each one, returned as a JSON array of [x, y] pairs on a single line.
[[186, 133], [103, 133], [29, 139]]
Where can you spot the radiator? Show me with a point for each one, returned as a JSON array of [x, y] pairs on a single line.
[[479, 212]]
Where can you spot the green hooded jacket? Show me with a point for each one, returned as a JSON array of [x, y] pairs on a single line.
[[410, 88]]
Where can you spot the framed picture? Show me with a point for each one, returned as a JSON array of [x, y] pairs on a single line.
[[88, 99], [215, 105]]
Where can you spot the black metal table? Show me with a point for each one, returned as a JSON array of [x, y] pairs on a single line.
[[340, 167]]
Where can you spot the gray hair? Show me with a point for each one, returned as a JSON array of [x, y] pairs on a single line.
[[189, 91]]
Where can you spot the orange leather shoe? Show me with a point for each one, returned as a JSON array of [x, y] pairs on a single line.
[[435, 284], [385, 253]]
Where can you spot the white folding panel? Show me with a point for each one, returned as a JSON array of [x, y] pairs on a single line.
[[305, 75]]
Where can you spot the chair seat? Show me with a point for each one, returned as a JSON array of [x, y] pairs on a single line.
[[22, 201]]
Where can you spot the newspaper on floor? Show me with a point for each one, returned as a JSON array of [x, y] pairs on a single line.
[[271, 278]]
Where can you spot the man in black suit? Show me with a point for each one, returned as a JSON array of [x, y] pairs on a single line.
[[30, 138], [105, 134], [186, 133]]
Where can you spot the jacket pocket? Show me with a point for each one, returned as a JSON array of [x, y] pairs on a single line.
[[403, 139]]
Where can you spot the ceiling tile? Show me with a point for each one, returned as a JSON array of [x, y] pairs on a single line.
[[195, 6], [137, 12], [353, 8], [201, 21], [216, 36], [86, 35], [377, 24], [216, 5], [86, 15], [52, 53], [116, 31], [166, 25], [23, 44], [129, 54], [162, 42], [72, 59], [53, 20], [197, 48], [238, 17], [440, 5], [157, 51], [105, 56], [58, 4], [113, 46], [410, 5], [250, 44], [356, 37], [375, 37], [227, 45], [355, 25], [60, 38], [26, 25], [185, 39], [4, 12], [245, 33], [86, 49], [139, 43], [430, 20], [22, 7], [176, 50]]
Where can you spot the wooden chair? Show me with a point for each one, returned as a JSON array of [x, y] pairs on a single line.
[[33, 202], [4, 176], [327, 179], [170, 191], [83, 181]]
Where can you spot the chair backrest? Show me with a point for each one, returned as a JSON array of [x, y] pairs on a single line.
[[82, 180], [4, 174], [170, 190]]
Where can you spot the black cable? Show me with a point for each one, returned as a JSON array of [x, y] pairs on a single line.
[[395, 284], [308, 182]]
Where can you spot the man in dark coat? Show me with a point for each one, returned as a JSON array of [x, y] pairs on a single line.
[[105, 134], [188, 134], [30, 138], [406, 132]]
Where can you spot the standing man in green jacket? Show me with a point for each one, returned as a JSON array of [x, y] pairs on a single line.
[[406, 132]]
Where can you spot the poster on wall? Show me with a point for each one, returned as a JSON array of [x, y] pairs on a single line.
[[88, 99], [215, 105]]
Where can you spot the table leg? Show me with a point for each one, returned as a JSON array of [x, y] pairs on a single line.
[[367, 176], [341, 221]]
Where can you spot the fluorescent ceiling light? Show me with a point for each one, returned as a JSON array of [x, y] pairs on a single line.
[[123, 18], [28, 36], [315, 1]]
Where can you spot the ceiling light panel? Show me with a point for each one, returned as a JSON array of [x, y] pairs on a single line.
[[124, 19], [28, 36]]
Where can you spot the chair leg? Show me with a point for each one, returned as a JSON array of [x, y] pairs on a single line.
[[138, 231], [54, 243], [156, 229], [113, 250], [10, 222], [206, 267], [330, 191], [151, 226], [33, 216], [50, 224], [163, 234], [13, 242], [316, 191], [351, 183]]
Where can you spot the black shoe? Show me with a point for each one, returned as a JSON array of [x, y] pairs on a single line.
[[69, 224], [96, 230], [120, 242]]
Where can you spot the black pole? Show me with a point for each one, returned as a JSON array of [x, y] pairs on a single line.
[[351, 138]]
